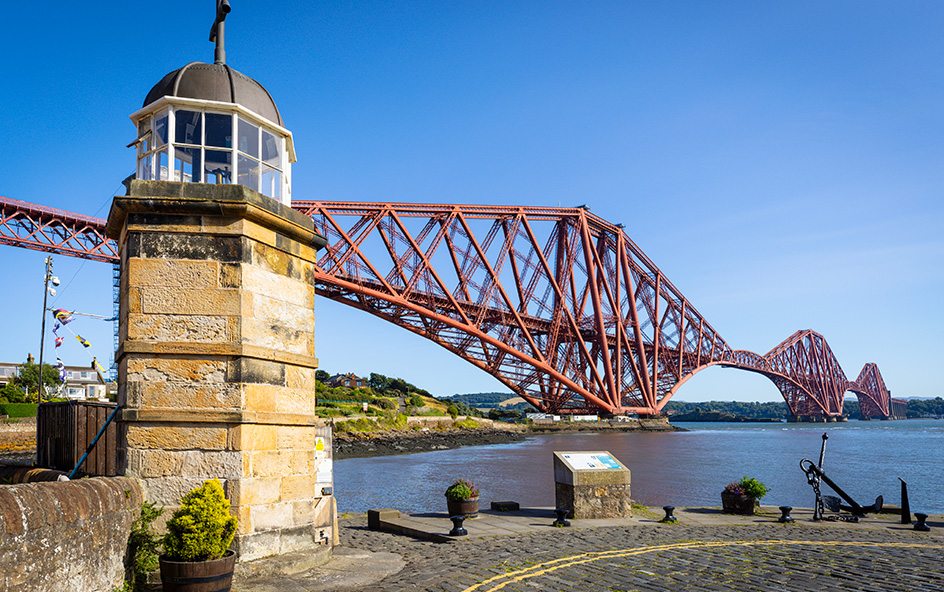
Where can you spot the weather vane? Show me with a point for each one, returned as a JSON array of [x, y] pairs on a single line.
[[216, 31]]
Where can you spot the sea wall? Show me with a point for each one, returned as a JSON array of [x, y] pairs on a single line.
[[61, 536]]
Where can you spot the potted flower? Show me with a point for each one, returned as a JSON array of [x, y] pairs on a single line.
[[742, 496], [197, 542], [462, 498]]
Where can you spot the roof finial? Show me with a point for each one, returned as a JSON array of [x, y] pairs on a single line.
[[216, 31]]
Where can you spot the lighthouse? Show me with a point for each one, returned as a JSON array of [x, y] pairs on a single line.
[[216, 348]]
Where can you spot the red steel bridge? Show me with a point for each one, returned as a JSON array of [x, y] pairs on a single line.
[[556, 303]]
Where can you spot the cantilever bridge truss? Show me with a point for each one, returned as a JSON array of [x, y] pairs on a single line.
[[556, 303]]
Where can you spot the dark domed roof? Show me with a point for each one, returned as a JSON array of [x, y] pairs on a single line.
[[216, 82]]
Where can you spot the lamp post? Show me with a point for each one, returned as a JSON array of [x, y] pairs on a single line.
[[48, 276]]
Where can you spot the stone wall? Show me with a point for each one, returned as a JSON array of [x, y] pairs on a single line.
[[63, 536]]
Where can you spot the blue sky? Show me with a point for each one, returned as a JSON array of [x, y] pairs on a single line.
[[780, 162]]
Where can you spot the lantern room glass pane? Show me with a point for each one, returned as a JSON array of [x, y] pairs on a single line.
[[271, 152], [144, 136], [160, 130], [219, 130], [218, 167], [144, 168], [271, 182], [248, 172], [162, 168], [187, 164], [188, 127], [248, 138]]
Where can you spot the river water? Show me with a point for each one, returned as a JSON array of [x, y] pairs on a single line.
[[670, 468]]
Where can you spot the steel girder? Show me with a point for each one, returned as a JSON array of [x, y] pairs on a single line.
[[28, 225], [556, 303], [873, 395]]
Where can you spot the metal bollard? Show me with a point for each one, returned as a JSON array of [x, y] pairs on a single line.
[[785, 517], [905, 507], [561, 517], [669, 518], [457, 529], [920, 525]]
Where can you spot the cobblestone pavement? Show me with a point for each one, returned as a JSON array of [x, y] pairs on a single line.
[[750, 557]]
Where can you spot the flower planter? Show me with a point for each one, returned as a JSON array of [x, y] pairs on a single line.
[[737, 503], [198, 576], [468, 508]]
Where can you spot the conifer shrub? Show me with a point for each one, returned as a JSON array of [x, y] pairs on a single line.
[[202, 529]]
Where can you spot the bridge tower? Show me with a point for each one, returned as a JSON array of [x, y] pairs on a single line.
[[216, 359]]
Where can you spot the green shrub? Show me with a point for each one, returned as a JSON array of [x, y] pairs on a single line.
[[385, 403], [417, 401], [466, 423], [361, 424], [18, 409], [202, 528], [453, 411], [141, 556]]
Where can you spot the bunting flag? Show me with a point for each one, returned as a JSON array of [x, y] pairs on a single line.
[[63, 318], [62, 370], [62, 315]]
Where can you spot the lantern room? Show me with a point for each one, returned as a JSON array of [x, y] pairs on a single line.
[[207, 123]]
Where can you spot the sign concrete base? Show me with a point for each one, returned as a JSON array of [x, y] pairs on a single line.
[[592, 485]]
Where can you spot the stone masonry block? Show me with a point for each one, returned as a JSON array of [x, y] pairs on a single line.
[[270, 463], [183, 395], [190, 301], [298, 487], [253, 437], [176, 437], [258, 491], [177, 369], [168, 491], [180, 328], [296, 401], [258, 544], [300, 377], [256, 371], [266, 284], [295, 437], [260, 398], [273, 516], [170, 272], [279, 337], [187, 463], [304, 511]]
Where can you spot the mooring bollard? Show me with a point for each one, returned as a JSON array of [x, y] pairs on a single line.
[[920, 525], [457, 529], [905, 507], [785, 516], [561, 517], [669, 518]]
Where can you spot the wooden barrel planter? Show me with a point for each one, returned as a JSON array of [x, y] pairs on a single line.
[[737, 503], [215, 575], [468, 508]]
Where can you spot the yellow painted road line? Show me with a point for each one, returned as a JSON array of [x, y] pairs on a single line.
[[556, 564]]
